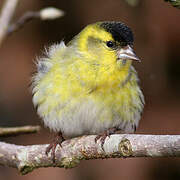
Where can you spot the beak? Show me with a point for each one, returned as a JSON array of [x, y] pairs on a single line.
[[127, 53]]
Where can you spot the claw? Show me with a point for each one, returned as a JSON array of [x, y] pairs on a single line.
[[52, 146], [104, 135]]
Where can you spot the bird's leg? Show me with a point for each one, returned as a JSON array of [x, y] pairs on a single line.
[[52, 146], [104, 135]]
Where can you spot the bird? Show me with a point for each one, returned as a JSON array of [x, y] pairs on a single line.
[[89, 86]]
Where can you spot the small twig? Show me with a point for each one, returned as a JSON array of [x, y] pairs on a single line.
[[28, 16], [14, 131], [28, 158], [6, 16], [44, 14]]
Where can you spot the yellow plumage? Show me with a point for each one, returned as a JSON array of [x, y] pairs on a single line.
[[86, 87]]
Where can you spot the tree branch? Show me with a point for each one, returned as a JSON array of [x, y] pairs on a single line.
[[49, 13], [14, 131], [6, 16], [27, 158], [8, 9]]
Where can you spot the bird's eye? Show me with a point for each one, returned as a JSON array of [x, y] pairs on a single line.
[[110, 44]]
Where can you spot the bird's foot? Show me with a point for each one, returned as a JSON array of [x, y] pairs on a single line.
[[52, 146], [104, 135]]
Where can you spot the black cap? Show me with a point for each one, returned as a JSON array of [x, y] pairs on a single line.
[[120, 32]]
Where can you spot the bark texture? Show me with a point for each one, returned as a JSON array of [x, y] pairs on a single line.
[[28, 158]]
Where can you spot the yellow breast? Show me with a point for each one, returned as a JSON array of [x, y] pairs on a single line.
[[86, 95]]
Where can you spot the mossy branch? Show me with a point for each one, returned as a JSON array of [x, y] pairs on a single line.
[[28, 158], [175, 3]]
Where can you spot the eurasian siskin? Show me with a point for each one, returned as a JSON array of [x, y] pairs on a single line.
[[89, 86]]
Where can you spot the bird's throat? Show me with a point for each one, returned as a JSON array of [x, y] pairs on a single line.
[[113, 79]]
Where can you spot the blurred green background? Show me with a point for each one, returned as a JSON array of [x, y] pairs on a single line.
[[157, 42]]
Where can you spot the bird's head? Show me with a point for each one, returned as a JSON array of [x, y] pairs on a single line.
[[108, 43]]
